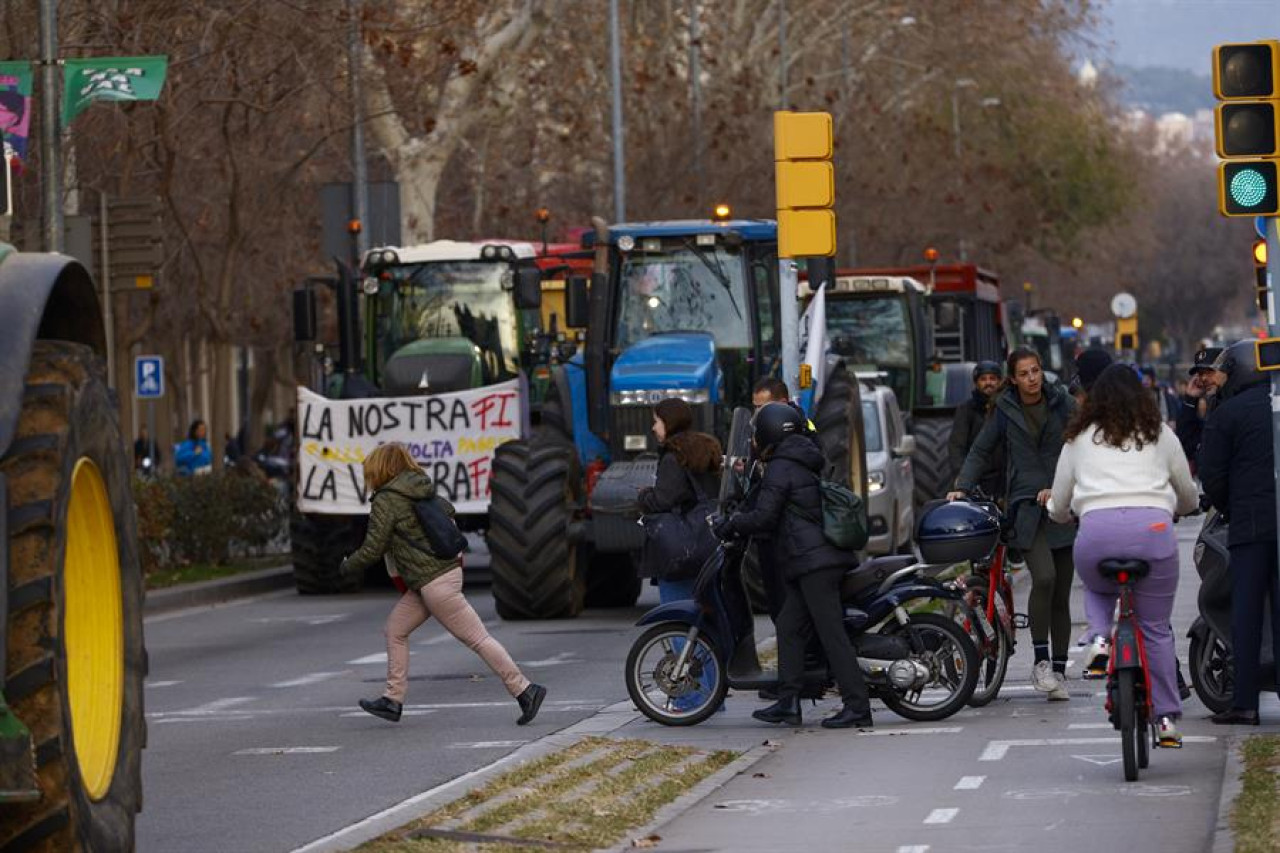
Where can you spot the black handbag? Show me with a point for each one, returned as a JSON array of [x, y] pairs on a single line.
[[678, 542], [444, 540]]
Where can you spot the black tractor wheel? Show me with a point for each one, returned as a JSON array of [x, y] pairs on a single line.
[[839, 423], [611, 579], [554, 425], [535, 568], [931, 463], [319, 543], [75, 662]]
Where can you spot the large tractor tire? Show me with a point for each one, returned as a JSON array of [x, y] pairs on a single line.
[[931, 463], [534, 496], [319, 542], [839, 423], [612, 580], [75, 662]]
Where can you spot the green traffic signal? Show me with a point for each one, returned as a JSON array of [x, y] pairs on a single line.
[[1248, 188]]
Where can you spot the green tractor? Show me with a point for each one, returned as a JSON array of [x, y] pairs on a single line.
[[420, 321], [922, 328], [71, 715]]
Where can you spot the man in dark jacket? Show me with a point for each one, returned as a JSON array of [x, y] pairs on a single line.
[[788, 508], [1190, 417], [1236, 469], [970, 417]]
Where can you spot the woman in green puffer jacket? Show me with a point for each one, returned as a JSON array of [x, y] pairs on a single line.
[[434, 584]]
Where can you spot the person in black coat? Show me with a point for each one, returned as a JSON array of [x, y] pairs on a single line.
[[1236, 470], [688, 462], [1190, 417], [788, 508], [971, 417]]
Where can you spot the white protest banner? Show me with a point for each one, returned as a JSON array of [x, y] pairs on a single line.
[[452, 436]]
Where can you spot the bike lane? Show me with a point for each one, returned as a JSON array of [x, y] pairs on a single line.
[[1021, 773]]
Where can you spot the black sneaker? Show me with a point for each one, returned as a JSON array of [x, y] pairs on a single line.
[[530, 701], [387, 709]]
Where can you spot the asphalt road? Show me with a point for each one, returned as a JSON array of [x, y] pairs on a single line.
[[255, 741]]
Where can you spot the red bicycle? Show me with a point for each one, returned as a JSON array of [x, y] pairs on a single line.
[[991, 620], [1128, 676]]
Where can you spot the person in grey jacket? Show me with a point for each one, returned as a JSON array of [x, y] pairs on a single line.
[[1029, 421]]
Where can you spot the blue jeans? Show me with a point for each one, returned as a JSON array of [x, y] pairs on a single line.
[[669, 591]]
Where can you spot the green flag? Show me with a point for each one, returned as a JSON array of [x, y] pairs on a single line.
[[110, 78]]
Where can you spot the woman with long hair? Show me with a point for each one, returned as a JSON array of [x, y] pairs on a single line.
[[1029, 421], [1122, 472], [193, 456], [434, 584]]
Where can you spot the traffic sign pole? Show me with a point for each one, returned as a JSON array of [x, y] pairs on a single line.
[[1273, 330]]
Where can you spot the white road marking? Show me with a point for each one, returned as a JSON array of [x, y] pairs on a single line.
[[996, 750], [558, 660], [318, 619], [312, 678], [162, 683], [217, 706], [407, 712], [914, 848], [1090, 726], [942, 815], [489, 744], [216, 718], [287, 750], [1100, 760], [947, 730], [380, 657], [970, 783]]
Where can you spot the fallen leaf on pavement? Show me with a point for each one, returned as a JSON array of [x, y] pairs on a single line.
[[647, 842]]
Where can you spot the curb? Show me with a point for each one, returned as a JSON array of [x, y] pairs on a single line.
[[218, 590], [1232, 768]]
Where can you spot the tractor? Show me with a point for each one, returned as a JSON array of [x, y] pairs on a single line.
[[71, 714], [689, 309], [424, 320], [922, 328]]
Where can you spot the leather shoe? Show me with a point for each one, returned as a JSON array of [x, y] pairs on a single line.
[[1235, 717], [387, 709], [785, 710], [769, 693], [848, 718], [530, 701]]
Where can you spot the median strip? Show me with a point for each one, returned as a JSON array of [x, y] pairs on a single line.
[[586, 796]]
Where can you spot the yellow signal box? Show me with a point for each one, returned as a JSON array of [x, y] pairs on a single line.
[[803, 146], [1246, 78]]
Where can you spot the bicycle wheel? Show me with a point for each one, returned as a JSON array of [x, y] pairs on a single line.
[[992, 668], [1143, 736], [1129, 733]]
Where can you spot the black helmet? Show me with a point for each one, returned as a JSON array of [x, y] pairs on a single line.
[[987, 368], [1240, 362], [774, 422]]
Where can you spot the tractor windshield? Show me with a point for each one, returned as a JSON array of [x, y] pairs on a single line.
[[684, 288], [451, 299], [872, 332]]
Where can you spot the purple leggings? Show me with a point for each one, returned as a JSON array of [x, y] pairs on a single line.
[[1138, 533]]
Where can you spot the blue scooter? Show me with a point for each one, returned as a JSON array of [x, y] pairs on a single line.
[[923, 666]]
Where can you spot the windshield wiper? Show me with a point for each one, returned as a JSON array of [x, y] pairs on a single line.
[[717, 271]]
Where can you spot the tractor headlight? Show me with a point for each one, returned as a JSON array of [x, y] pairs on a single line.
[[369, 285], [626, 242], [653, 396], [875, 481]]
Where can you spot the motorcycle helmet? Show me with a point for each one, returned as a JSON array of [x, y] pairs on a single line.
[[1240, 362], [774, 422], [956, 531], [987, 368]]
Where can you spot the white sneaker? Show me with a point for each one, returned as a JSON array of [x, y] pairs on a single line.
[[1059, 692], [1167, 734], [1096, 657], [1043, 677]]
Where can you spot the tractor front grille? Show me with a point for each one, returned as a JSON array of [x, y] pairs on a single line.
[[638, 421]]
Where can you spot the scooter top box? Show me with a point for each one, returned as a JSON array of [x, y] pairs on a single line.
[[955, 532]]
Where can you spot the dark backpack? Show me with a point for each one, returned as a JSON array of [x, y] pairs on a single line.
[[844, 516], [444, 540]]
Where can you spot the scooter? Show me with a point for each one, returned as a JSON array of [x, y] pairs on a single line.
[[923, 666], [1210, 654]]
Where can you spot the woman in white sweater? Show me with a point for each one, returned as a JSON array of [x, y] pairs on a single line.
[[1122, 472]]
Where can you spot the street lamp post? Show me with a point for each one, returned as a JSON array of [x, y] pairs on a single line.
[[962, 83]]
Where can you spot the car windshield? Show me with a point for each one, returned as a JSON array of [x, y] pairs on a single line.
[[450, 299], [872, 332], [684, 288], [871, 427]]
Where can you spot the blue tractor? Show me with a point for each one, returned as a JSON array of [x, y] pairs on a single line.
[[689, 309]]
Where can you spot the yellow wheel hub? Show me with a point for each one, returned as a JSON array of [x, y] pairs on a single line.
[[93, 629]]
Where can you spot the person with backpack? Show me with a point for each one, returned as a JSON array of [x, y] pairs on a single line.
[[789, 509], [689, 464], [1029, 422], [434, 583]]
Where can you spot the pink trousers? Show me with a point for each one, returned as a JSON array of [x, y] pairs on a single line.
[[443, 599]]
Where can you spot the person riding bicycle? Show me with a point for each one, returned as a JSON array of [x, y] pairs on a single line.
[[788, 508], [1122, 472], [1028, 423]]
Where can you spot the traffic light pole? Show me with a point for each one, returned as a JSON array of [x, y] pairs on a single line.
[[1273, 330]]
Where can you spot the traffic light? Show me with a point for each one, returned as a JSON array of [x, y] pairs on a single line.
[[1260, 272], [806, 195], [1246, 77], [1127, 333]]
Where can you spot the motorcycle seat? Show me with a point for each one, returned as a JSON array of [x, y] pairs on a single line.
[[870, 573], [1133, 568]]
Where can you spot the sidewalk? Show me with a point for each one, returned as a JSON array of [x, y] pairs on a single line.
[[218, 590], [1010, 776]]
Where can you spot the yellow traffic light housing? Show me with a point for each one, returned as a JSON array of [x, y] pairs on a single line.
[[1246, 70], [1260, 273], [803, 145], [1260, 253], [1246, 77]]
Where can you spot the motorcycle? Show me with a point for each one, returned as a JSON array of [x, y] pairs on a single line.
[[923, 666], [1210, 633]]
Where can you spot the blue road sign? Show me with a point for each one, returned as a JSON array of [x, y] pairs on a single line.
[[1260, 226], [148, 377]]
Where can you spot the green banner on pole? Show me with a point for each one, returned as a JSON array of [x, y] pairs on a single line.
[[110, 78]]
